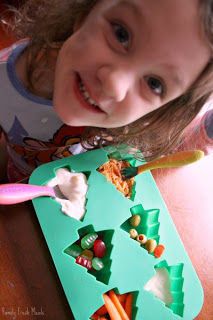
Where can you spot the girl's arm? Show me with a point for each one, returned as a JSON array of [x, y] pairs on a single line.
[[199, 134]]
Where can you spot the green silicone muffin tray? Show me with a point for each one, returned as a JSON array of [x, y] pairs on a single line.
[[128, 265]]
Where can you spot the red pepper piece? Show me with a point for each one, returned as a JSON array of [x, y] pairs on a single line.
[[159, 251], [99, 248], [84, 262]]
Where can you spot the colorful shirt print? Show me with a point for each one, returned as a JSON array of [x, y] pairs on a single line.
[[34, 132]]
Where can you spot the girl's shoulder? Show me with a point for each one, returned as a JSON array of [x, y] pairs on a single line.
[[5, 53]]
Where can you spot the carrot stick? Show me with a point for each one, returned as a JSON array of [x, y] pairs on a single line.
[[122, 297], [118, 305], [113, 312], [123, 304], [128, 305], [101, 311], [95, 317]]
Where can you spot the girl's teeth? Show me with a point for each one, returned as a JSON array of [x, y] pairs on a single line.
[[85, 94], [91, 101]]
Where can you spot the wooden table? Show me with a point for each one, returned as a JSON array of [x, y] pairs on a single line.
[[29, 285]]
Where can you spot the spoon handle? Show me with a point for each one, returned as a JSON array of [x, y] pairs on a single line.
[[12, 193], [173, 160]]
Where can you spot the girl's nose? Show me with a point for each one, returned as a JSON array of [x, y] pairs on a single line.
[[115, 83]]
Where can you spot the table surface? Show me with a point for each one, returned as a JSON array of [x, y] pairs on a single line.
[[29, 285]]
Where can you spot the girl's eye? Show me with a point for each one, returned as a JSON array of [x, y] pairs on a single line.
[[156, 85], [121, 34]]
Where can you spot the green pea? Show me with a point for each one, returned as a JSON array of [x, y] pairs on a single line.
[[133, 233], [150, 245], [135, 220]]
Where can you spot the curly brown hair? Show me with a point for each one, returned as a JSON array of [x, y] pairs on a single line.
[[48, 23]]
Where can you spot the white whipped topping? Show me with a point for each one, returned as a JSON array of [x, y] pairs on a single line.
[[70, 190], [160, 285]]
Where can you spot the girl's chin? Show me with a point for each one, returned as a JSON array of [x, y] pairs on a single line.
[[76, 119], [73, 121]]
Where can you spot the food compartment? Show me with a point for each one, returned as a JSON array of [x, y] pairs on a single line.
[[112, 171], [114, 303], [143, 226], [92, 250], [167, 286], [71, 189], [177, 281]]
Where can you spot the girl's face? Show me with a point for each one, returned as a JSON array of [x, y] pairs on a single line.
[[127, 59]]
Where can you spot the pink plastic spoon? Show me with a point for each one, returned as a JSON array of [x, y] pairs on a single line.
[[12, 193]]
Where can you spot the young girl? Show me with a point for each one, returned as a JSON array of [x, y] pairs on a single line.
[[92, 73]]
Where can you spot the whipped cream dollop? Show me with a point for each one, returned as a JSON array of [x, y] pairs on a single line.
[[160, 285], [70, 190]]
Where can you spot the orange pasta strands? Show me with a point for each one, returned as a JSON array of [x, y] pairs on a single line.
[[111, 170]]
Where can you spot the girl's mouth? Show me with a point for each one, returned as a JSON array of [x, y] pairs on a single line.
[[85, 94]]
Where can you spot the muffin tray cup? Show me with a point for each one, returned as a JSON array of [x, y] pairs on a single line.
[[128, 266]]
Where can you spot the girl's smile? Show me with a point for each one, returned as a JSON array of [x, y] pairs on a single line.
[[128, 58], [84, 97]]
